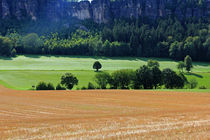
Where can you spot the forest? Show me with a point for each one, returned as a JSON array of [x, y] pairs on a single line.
[[166, 38]]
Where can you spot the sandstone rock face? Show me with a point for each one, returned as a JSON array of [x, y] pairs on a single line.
[[5, 12], [101, 11], [81, 10], [25, 8]]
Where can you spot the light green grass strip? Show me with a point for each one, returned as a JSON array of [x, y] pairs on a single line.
[[36, 62]]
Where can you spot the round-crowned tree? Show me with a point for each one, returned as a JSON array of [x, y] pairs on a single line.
[[97, 65], [69, 80], [31, 43]]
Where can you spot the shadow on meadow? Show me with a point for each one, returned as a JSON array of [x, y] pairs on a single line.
[[32, 56], [194, 74], [201, 64], [6, 58]]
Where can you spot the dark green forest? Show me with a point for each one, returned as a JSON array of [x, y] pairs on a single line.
[[168, 38]]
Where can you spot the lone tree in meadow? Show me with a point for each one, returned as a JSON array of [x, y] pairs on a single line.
[[188, 63], [97, 65], [69, 80]]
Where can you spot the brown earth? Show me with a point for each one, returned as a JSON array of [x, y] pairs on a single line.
[[103, 114]]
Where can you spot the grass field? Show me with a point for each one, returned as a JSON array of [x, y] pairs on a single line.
[[103, 114], [24, 71], [36, 62], [24, 79]]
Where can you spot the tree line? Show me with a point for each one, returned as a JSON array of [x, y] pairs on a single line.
[[146, 77], [168, 38]]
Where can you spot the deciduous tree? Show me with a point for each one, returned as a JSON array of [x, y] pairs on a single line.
[[188, 63], [69, 80], [97, 65], [102, 79]]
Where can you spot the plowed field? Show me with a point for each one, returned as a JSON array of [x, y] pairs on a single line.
[[105, 114]]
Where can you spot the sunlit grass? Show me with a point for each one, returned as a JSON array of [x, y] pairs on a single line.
[[24, 71], [36, 62]]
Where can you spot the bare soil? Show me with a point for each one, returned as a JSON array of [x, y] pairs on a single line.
[[103, 114]]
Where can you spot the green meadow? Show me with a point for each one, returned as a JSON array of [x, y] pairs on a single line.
[[22, 72]]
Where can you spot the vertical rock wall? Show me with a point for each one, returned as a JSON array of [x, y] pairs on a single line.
[[101, 11]]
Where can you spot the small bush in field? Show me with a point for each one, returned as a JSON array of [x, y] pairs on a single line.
[[50, 86], [83, 88], [91, 86], [45, 86], [202, 87], [192, 83], [41, 86], [59, 87]]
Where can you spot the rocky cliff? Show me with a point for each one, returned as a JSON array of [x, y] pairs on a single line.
[[101, 11]]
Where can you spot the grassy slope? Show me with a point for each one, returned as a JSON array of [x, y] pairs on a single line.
[[24, 79], [24, 71], [35, 62]]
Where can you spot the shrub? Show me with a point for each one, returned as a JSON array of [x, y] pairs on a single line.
[[45, 86], [33, 87], [59, 87], [102, 79], [50, 86], [41, 86], [192, 83], [91, 86], [202, 87], [83, 88], [78, 88], [153, 63]]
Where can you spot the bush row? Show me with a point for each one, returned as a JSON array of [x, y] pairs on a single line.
[[48, 86]]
